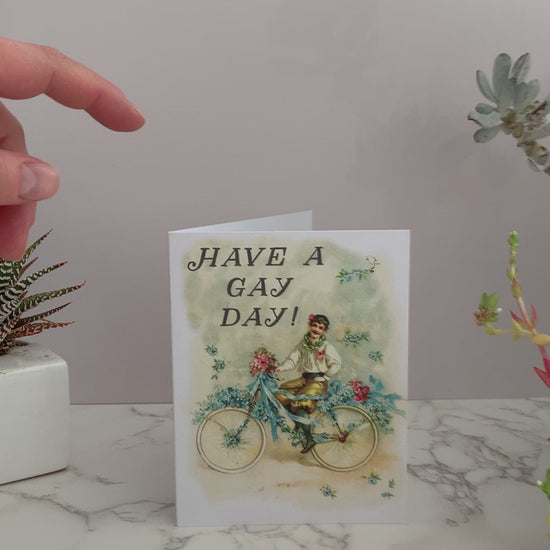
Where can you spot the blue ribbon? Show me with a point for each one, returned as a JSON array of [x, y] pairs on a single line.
[[268, 387]]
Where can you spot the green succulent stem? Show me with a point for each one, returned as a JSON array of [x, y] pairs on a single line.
[[524, 324]]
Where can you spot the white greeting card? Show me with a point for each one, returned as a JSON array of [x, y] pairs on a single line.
[[290, 373]]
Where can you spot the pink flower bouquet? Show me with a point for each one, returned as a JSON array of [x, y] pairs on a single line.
[[263, 361]]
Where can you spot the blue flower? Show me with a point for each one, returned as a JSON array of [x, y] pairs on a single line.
[[328, 492], [211, 350], [376, 356], [373, 478]]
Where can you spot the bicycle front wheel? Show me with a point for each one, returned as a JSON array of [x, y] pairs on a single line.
[[230, 440], [346, 437]]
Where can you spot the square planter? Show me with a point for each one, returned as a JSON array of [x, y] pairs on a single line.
[[34, 413]]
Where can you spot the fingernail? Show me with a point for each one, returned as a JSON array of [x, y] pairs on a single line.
[[38, 181], [135, 108]]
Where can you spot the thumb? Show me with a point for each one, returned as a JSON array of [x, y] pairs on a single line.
[[24, 179]]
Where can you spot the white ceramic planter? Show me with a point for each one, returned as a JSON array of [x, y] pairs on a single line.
[[34, 413]]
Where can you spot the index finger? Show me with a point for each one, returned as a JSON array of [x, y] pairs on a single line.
[[28, 70]]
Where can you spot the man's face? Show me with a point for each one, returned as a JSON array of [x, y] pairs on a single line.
[[316, 330]]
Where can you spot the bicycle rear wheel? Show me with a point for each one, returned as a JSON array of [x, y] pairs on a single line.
[[347, 438], [230, 440]]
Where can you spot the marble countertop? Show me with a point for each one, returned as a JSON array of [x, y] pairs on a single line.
[[473, 465]]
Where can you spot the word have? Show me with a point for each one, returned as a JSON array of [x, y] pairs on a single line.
[[273, 256]]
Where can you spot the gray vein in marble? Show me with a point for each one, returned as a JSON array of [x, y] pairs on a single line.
[[458, 453], [333, 537], [145, 435]]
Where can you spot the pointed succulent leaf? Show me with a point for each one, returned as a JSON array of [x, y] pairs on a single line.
[[485, 108], [39, 316], [544, 376], [32, 329], [32, 301], [37, 274], [484, 86], [520, 68], [520, 322], [501, 70], [533, 316], [31, 248], [486, 134], [27, 266], [487, 120], [16, 268], [525, 93]]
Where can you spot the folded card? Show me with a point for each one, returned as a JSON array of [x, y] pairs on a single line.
[[290, 372]]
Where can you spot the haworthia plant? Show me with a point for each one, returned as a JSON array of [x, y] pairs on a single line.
[[15, 300], [514, 109]]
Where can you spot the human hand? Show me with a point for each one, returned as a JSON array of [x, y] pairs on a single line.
[[28, 70]]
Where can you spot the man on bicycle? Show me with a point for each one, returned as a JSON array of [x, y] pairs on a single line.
[[316, 360]]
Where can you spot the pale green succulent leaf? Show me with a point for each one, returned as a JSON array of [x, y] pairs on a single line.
[[520, 67], [486, 134], [485, 108], [506, 96], [525, 93], [484, 86], [487, 120], [501, 70]]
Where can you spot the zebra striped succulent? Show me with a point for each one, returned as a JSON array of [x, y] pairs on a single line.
[[15, 300]]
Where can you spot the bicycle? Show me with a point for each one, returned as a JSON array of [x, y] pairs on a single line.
[[231, 440]]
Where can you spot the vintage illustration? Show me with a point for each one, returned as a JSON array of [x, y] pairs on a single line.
[[290, 385]]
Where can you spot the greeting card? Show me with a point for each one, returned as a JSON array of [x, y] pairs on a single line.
[[290, 373]]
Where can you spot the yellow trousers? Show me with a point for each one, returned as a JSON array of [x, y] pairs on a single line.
[[300, 386]]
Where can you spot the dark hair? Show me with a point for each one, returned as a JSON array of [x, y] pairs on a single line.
[[319, 318]]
